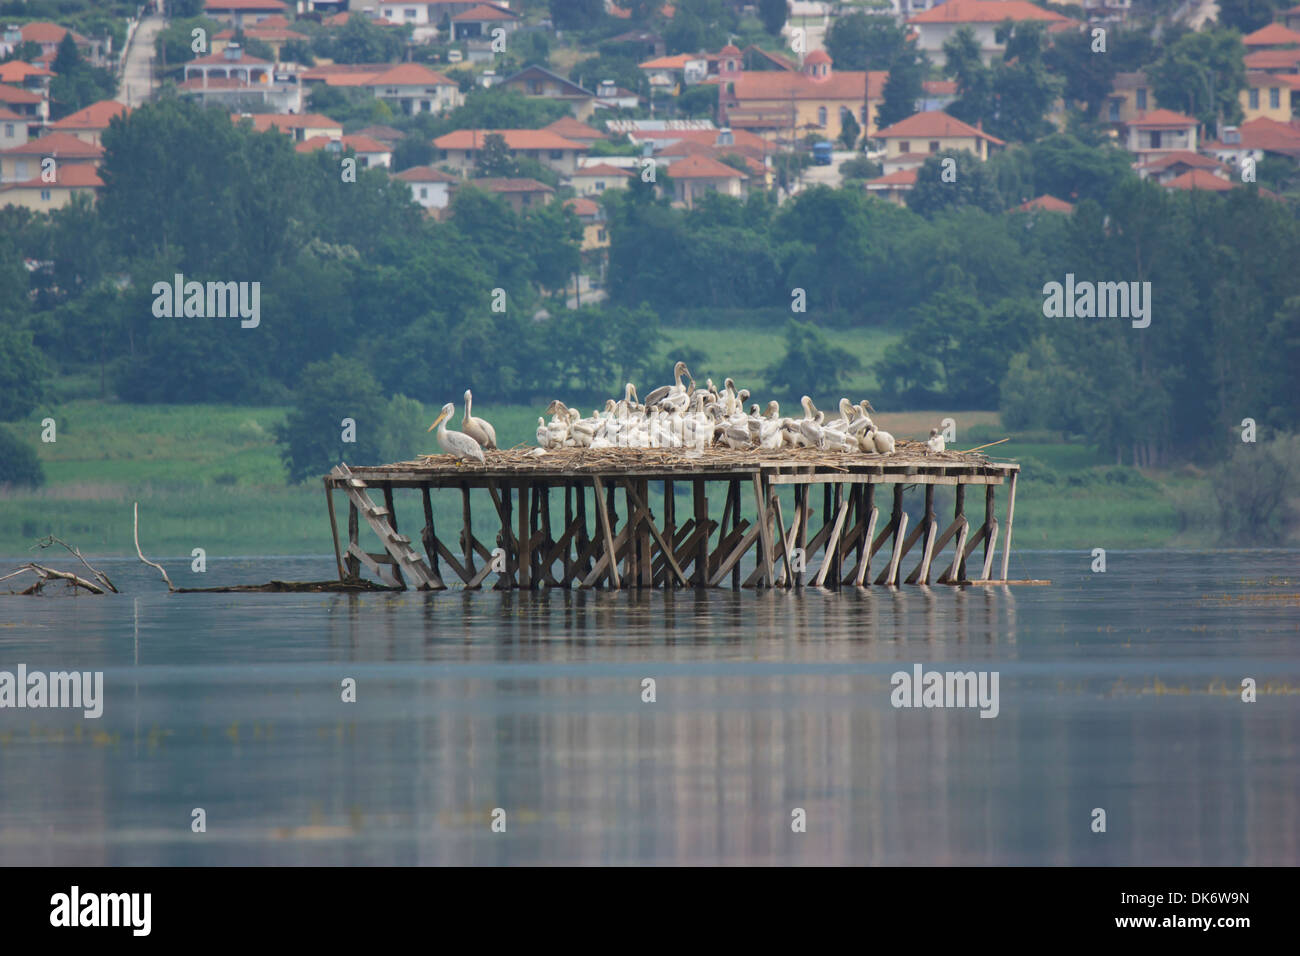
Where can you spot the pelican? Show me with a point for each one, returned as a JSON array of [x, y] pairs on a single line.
[[936, 441], [881, 442], [477, 428], [657, 395], [457, 444]]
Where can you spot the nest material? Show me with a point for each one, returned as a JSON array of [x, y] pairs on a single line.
[[522, 458]]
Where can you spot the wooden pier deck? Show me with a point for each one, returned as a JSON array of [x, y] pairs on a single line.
[[593, 545]]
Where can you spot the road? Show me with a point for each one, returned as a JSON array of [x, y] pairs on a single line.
[[137, 71]]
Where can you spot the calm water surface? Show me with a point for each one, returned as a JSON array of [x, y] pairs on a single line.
[[1118, 691]]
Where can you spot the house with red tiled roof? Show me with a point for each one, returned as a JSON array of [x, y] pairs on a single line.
[[537, 81], [1285, 60], [27, 76], [244, 13], [431, 188], [595, 234], [780, 105], [55, 189], [409, 88], [892, 187], [274, 37], [482, 22], [667, 11], [1046, 203], [460, 148], [299, 127], [239, 81], [34, 106], [519, 193], [1172, 165], [1130, 94], [1268, 95], [89, 123], [13, 129], [911, 141], [983, 17], [594, 178], [1254, 140], [22, 163], [48, 36], [1153, 133], [370, 153], [1270, 36], [694, 176], [1201, 179], [576, 130]]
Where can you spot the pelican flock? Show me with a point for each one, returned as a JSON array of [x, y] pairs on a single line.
[[684, 417]]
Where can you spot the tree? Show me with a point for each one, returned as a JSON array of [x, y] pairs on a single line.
[[849, 130], [1088, 76], [22, 373], [412, 151], [77, 83], [311, 437], [952, 179], [963, 62], [773, 13], [19, 465], [1201, 75], [812, 363], [1248, 15], [862, 42], [576, 14], [494, 159], [904, 88], [181, 9]]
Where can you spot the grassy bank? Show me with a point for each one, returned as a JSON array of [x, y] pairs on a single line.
[[210, 476]]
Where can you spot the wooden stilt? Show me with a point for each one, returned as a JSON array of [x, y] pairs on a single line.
[[353, 565], [523, 577], [1011, 515], [602, 516], [467, 529], [832, 544], [801, 518], [764, 530], [334, 531], [701, 528], [959, 511], [392, 523], [735, 526]]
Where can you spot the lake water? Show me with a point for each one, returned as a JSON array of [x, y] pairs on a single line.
[[1118, 691]]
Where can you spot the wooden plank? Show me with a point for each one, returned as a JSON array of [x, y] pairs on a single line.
[[364, 558], [1011, 515], [465, 574], [334, 531], [764, 530], [801, 519], [949, 576], [864, 562], [525, 540], [734, 491], [787, 541], [608, 562], [891, 573], [732, 559], [832, 544], [602, 515], [990, 548], [467, 530], [664, 548], [702, 522], [390, 514]]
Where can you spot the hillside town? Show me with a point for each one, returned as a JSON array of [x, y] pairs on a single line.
[[768, 110]]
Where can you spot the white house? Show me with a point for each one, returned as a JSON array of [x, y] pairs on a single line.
[[982, 17], [430, 187]]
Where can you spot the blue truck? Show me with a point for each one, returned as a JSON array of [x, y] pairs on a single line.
[[821, 153]]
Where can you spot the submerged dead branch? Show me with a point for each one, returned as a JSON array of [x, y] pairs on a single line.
[[152, 564], [100, 576], [44, 575]]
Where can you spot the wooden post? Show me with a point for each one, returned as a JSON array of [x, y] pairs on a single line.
[[603, 510], [334, 529], [583, 564], [568, 523], [1011, 514], [801, 516], [524, 578], [467, 529], [838, 563], [507, 534], [959, 567], [354, 544], [702, 521], [734, 491], [392, 523], [989, 522], [670, 523], [764, 529], [432, 552], [647, 520]]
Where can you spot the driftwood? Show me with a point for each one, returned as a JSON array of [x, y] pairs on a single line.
[[44, 575], [355, 585], [136, 523], [100, 576]]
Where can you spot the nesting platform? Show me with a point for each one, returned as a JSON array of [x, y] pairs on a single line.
[[594, 545]]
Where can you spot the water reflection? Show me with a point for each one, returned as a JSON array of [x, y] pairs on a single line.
[[1117, 691]]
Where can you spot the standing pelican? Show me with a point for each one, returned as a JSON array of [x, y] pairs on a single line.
[[936, 441], [477, 428], [457, 444]]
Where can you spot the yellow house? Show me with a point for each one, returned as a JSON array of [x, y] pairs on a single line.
[[595, 234], [784, 104], [1267, 95], [41, 196], [911, 141], [1130, 94]]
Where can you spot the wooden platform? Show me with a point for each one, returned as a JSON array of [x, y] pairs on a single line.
[[649, 548]]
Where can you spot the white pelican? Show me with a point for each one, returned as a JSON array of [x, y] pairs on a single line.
[[936, 441], [457, 444], [657, 395], [478, 429], [882, 442]]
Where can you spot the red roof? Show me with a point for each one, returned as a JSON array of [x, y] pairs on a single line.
[[425, 174], [67, 175], [94, 116], [261, 31], [409, 74], [815, 57], [1272, 35], [359, 144], [1263, 133], [44, 32], [271, 6], [1161, 119], [1184, 158], [603, 169], [782, 85], [282, 121], [1047, 204], [935, 123], [701, 167], [11, 115], [57, 144], [901, 177], [1200, 179], [583, 206], [985, 11], [15, 71], [515, 139], [940, 87], [1272, 60], [12, 94], [572, 128], [484, 12]]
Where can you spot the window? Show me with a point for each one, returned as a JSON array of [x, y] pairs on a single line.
[[1142, 99], [411, 13], [821, 116], [934, 146], [45, 194], [557, 154], [1155, 139], [1113, 115], [1274, 97], [424, 192], [600, 235], [526, 199], [600, 186], [904, 146], [1254, 99], [9, 129]]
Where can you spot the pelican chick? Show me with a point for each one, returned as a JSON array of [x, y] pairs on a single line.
[[457, 444], [936, 442]]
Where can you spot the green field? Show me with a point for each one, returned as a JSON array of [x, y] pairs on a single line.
[[211, 477]]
